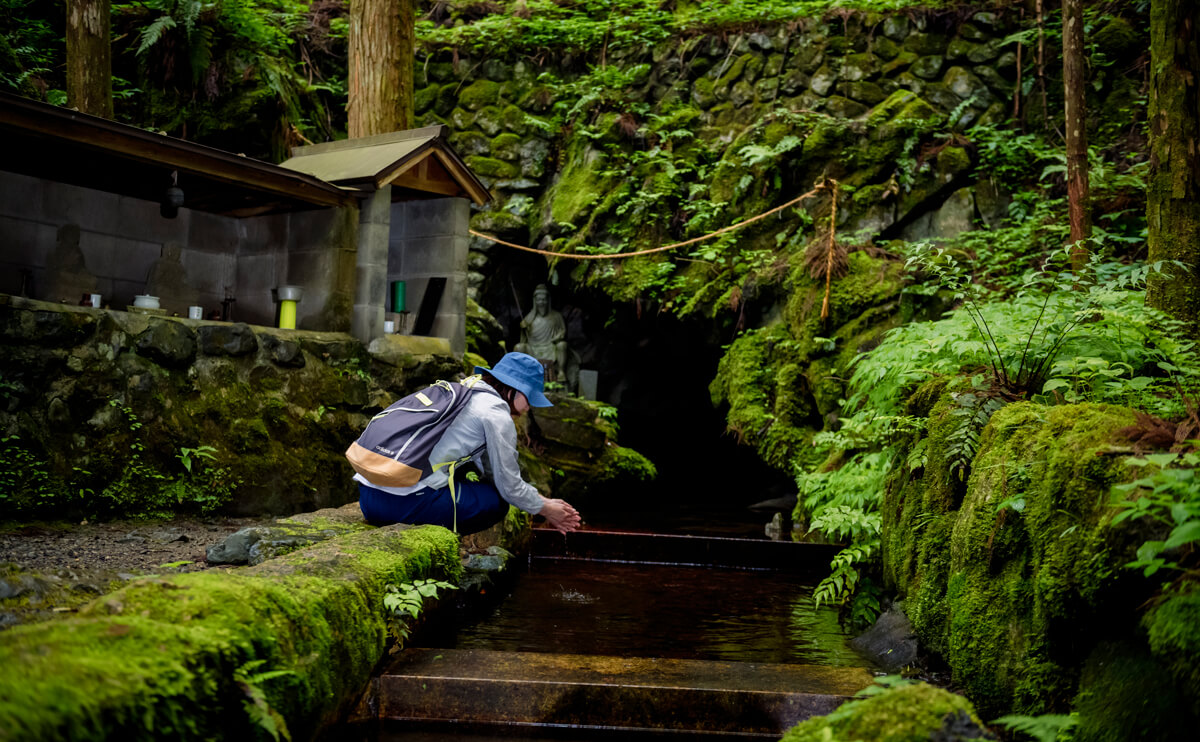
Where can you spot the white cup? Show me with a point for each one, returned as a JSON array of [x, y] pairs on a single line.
[[389, 327], [96, 300], [195, 312]]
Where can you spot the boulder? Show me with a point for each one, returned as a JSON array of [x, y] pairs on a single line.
[[227, 340], [168, 342]]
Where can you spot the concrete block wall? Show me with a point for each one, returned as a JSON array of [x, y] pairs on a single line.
[[122, 239], [429, 239]]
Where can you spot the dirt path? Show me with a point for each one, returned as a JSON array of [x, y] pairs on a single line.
[[120, 546]]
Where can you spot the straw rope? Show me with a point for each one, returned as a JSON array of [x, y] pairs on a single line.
[[663, 248]]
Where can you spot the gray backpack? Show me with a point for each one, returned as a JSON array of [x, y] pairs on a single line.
[[394, 449]]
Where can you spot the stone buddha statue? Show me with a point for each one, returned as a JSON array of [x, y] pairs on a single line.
[[544, 335]]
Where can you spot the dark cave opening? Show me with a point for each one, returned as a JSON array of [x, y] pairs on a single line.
[[655, 369]]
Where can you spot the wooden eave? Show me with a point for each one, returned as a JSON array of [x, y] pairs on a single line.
[[66, 146]]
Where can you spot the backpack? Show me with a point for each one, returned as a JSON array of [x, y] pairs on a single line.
[[394, 449]]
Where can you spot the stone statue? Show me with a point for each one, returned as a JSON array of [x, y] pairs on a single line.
[[167, 279], [67, 275], [544, 335]]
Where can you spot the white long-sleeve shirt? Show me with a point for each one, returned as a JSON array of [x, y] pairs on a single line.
[[484, 422]]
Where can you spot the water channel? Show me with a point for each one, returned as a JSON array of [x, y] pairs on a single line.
[[608, 609]]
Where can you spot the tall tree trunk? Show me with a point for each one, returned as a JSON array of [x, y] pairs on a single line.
[[381, 66], [1075, 120], [89, 57], [1173, 193]]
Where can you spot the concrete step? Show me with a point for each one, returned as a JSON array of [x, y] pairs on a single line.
[[700, 551], [586, 691]]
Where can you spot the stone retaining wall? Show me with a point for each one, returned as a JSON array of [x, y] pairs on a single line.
[[196, 656], [99, 410]]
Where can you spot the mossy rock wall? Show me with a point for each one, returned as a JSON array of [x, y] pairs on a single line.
[[784, 382], [620, 143], [97, 406], [170, 658], [1016, 576]]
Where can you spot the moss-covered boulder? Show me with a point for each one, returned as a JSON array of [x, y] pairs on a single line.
[[576, 440], [909, 713], [1016, 575]]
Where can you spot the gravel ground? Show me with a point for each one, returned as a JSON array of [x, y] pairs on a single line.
[[135, 547]]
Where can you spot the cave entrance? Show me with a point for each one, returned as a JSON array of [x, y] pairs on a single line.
[[656, 369]]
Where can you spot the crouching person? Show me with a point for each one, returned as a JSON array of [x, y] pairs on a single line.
[[479, 427]]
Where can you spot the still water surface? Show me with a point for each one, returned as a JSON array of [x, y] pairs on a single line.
[[640, 610]]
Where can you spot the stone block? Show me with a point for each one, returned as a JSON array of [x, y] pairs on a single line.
[[896, 27], [261, 235], [208, 272], [377, 208], [822, 81], [140, 220], [437, 216], [227, 339], [168, 342], [99, 254], [371, 285], [214, 233], [136, 258], [25, 243], [20, 196], [92, 210], [927, 68]]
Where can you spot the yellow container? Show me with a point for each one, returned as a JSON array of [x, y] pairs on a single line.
[[287, 315]]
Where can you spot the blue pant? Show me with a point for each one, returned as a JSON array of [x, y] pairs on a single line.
[[479, 506]]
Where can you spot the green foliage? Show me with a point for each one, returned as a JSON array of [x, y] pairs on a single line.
[[257, 708], [1043, 728], [541, 26], [1169, 497], [404, 605], [28, 46]]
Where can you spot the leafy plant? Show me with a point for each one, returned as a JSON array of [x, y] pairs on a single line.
[[186, 455], [257, 707], [405, 603], [1044, 728], [1170, 496]]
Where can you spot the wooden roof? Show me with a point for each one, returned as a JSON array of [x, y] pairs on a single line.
[[416, 160], [66, 146]]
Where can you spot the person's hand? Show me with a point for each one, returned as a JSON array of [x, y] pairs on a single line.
[[560, 515]]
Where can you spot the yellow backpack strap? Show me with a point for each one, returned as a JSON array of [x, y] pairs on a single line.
[[451, 466]]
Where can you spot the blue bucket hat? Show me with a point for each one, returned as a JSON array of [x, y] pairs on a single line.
[[523, 373]]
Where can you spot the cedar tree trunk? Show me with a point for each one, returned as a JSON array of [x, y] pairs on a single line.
[[1173, 192], [381, 66], [1075, 120], [89, 57]]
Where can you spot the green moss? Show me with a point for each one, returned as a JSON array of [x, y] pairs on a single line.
[[749, 379], [482, 92], [627, 464], [1127, 694], [424, 98], [869, 282], [1173, 629], [157, 658], [506, 146], [490, 167], [580, 184], [1000, 592], [910, 713]]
